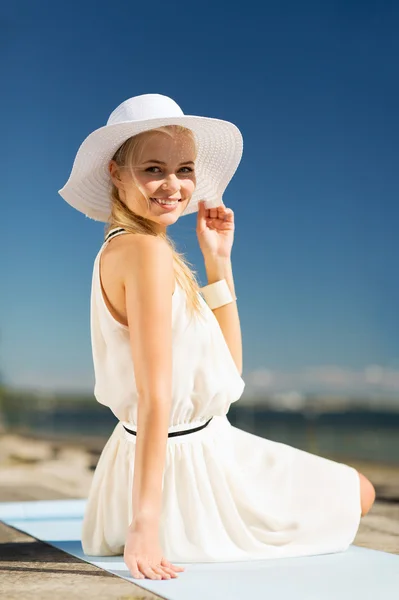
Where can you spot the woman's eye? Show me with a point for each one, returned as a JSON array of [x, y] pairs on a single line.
[[188, 168]]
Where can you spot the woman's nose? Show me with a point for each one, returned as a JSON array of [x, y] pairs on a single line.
[[172, 183]]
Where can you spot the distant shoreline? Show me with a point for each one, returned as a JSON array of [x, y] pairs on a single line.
[[93, 444]]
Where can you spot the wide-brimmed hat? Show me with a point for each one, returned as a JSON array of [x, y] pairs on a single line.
[[219, 145]]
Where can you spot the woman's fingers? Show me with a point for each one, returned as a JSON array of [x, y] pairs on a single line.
[[162, 572], [152, 571], [213, 213], [135, 571], [140, 569], [227, 214], [148, 571], [218, 223], [170, 571], [166, 563]]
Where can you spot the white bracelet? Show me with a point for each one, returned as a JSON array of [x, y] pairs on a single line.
[[217, 294]]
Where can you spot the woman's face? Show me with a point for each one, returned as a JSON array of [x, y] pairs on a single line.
[[165, 172]]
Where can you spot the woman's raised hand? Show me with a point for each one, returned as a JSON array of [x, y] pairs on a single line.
[[143, 555], [215, 230]]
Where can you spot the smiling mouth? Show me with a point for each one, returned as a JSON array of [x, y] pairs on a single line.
[[166, 206], [166, 200]]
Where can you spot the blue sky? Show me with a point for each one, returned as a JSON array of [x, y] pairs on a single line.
[[313, 88]]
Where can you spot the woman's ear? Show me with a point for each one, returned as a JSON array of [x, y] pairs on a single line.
[[114, 173]]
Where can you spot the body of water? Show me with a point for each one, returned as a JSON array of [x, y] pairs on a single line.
[[358, 434]]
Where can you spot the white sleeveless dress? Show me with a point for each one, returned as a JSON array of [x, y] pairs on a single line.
[[228, 495]]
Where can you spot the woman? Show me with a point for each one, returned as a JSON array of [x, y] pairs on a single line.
[[176, 481]]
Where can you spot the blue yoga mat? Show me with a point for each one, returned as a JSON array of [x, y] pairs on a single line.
[[356, 574]]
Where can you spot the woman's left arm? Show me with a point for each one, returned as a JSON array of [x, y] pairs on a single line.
[[215, 232], [227, 315]]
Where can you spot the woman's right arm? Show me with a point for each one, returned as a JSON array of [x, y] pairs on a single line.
[[149, 281]]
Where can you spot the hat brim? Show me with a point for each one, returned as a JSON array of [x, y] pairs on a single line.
[[219, 144]]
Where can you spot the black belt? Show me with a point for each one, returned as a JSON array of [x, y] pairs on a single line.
[[173, 433]]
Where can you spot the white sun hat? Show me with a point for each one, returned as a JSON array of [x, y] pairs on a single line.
[[219, 145]]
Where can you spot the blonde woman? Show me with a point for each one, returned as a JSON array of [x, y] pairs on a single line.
[[176, 481]]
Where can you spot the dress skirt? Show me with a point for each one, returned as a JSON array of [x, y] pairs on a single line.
[[228, 495]]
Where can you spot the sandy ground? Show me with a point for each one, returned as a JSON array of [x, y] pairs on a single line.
[[33, 469]]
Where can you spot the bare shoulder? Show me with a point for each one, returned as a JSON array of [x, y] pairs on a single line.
[[143, 261], [129, 263]]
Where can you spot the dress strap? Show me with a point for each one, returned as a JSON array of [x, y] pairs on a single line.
[[114, 232]]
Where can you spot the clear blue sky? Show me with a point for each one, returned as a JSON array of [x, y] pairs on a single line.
[[313, 88]]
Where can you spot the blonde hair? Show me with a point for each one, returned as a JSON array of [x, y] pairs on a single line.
[[128, 156]]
